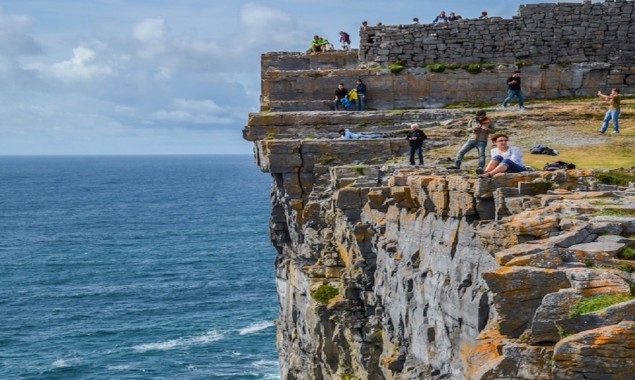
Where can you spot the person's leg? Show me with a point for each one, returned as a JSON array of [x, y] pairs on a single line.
[[605, 122], [496, 160], [412, 155], [512, 167], [469, 145], [361, 102], [616, 123], [420, 150], [510, 95], [521, 99], [481, 146]]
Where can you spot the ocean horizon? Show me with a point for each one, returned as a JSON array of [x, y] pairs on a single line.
[[136, 267]]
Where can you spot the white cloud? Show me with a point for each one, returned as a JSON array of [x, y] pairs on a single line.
[[82, 65], [152, 35]]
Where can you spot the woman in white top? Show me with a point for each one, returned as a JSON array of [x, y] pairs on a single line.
[[505, 158]]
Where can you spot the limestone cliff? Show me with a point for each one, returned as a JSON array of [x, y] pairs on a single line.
[[387, 271]]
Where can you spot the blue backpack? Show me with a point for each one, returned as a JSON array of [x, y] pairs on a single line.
[[345, 102]]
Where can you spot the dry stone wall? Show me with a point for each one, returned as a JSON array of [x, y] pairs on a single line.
[[540, 33]]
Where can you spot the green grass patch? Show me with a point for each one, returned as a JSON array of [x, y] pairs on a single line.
[[615, 178], [472, 68], [324, 293], [359, 169], [436, 68], [627, 253], [326, 159], [620, 212], [599, 302], [397, 67]]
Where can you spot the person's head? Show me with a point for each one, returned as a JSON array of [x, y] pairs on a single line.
[[499, 139], [341, 85], [615, 91], [415, 19], [359, 81], [342, 33], [516, 73], [484, 14], [316, 37], [442, 14], [481, 114], [341, 131], [365, 23], [452, 14], [414, 126]]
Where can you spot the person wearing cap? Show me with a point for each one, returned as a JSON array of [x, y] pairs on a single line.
[[478, 128]]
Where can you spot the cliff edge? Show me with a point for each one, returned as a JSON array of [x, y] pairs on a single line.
[[391, 271]]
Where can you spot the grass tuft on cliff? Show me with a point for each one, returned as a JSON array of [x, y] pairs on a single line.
[[599, 302], [324, 293]]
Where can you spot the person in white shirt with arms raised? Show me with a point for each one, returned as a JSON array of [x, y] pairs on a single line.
[[505, 158]]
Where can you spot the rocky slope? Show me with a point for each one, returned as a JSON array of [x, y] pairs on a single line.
[[386, 271]]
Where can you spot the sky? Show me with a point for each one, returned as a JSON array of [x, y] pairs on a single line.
[[121, 77]]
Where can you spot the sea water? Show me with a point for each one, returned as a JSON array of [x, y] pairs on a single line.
[[136, 268]]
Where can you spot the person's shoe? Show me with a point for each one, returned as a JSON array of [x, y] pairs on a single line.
[[479, 171], [616, 132], [484, 175], [454, 167], [602, 132]]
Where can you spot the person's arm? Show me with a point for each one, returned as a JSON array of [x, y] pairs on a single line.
[[487, 126], [516, 155], [473, 126], [604, 97]]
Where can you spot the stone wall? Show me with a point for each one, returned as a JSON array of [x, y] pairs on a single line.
[[540, 33], [311, 86]]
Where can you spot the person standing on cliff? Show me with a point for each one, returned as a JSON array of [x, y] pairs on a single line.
[[345, 40], [614, 110], [513, 89], [361, 95], [479, 128], [415, 137]]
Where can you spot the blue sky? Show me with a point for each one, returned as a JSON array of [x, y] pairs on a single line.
[[158, 76]]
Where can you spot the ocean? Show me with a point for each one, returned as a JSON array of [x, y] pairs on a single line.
[[136, 267]]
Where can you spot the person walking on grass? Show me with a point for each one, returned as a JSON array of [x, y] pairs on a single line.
[[513, 89], [415, 137], [479, 128], [613, 113]]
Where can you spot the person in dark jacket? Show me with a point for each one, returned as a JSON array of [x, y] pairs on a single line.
[[361, 95], [513, 89], [341, 97], [415, 137]]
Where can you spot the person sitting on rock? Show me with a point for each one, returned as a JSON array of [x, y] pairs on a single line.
[[347, 134], [341, 99], [505, 158], [318, 45]]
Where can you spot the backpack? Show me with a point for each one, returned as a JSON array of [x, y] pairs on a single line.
[[352, 94], [345, 102], [539, 149], [558, 165]]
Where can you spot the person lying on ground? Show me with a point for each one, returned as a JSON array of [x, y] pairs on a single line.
[[347, 134]]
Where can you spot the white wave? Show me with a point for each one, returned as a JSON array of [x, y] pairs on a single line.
[[61, 363], [208, 337], [254, 327]]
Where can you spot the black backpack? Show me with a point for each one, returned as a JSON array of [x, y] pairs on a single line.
[[558, 165]]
